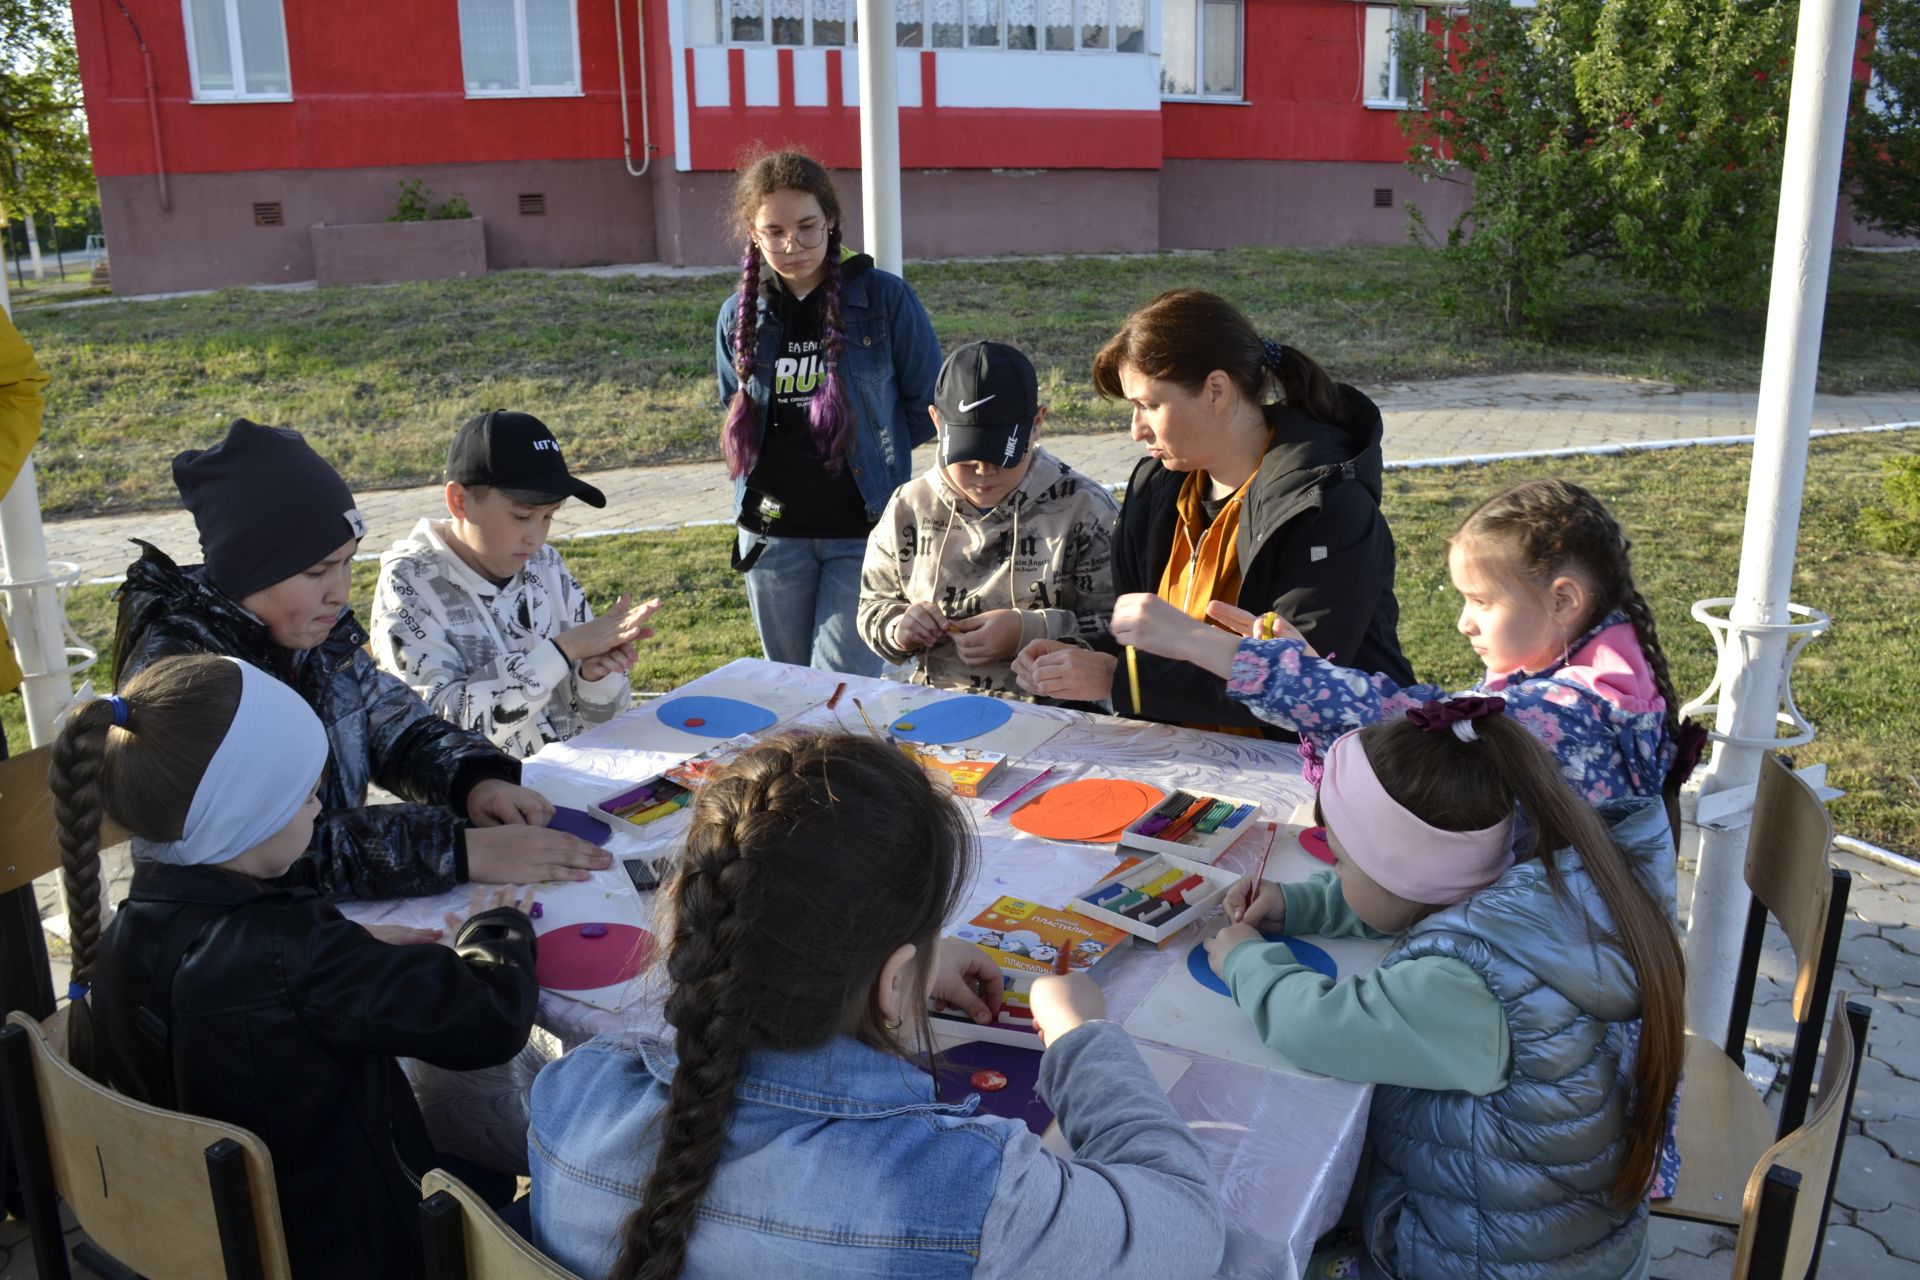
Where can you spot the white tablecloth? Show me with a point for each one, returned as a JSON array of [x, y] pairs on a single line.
[[1284, 1147]]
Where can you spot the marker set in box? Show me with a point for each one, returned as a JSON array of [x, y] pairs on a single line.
[[1190, 824], [1156, 898]]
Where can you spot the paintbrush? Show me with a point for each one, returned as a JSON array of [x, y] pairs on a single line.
[[1025, 787], [884, 737], [1259, 870]]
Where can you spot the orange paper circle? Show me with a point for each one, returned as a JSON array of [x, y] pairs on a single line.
[[1095, 810]]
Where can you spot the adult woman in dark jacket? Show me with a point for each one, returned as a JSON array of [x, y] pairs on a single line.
[[1260, 488]]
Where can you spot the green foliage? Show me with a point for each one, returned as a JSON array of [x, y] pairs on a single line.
[[46, 165], [1896, 526], [1883, 128], [416, 204], [454, 209], [1643, 138]]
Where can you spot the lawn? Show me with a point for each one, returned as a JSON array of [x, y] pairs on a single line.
[[623, 368], [1859, 684]]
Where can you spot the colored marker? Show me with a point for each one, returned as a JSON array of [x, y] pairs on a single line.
[[1036, 781]]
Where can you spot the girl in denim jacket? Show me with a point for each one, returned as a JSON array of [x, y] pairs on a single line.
[[1549, 606], [826, 367], [787, 1129]]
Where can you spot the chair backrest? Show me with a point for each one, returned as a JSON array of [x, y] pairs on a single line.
[[154, 1188], [1787, 870], [465, 1239], [1813, 1152], [26, 816]]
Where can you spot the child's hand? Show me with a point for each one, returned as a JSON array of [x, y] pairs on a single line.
[[1242, 623], [1268, 910], [402, 935], [1145, 621], [525, 855], [621, 625], [1221, 944], [1055, 669], [993, 636], [921, 627], [519, 897], [619, 658], [497, 802], [964, 979], [1061, 1004]]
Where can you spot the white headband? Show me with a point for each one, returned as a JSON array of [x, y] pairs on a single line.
[[258, 779]]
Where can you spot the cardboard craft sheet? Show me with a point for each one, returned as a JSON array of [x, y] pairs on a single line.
[[916, 715]]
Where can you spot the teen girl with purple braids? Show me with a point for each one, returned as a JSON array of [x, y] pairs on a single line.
[[826, 367]]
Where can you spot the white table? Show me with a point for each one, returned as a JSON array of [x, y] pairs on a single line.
[[1284, 1147]]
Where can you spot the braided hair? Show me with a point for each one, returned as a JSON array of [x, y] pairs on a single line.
[[1185, 334], [830, 416], [786, 844], [141, 763], [1549, 526]]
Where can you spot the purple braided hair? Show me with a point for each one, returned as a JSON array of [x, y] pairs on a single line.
[[828, 412], [739, 439]]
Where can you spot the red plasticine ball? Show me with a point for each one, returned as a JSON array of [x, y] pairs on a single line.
[[989, 1081], [694, 722]]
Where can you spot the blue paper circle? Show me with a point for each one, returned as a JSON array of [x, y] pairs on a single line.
[[723, 717], [1303, 952], [953, 720]]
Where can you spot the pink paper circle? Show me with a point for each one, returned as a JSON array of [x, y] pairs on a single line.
[[567, 961]]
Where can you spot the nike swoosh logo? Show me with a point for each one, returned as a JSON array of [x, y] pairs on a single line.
[[969, 408]]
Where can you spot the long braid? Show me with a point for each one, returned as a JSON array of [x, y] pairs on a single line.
[[740, 438], [79, 760], [828, 412]]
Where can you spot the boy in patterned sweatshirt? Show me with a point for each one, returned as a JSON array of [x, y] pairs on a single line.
[[998, 544], [478, 614]]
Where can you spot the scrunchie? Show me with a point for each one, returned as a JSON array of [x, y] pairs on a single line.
[[1456, 715], [121, 711], [1275, 353]]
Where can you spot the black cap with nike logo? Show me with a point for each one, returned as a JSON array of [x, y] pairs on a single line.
[[987, 396]]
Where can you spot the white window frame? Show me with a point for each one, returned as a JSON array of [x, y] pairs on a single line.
[[765, 41], [526, 89], [239, 67], [1200, 94], [1402, 103]]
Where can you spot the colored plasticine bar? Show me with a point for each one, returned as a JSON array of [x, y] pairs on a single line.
[[1114, 890], [1163, 814], [1185, 821], [1140, 908], [1144, 875], [1210, 821], [1158, 912], [1156, 888], [1120, 905], [1178, 893], [1238, 816]]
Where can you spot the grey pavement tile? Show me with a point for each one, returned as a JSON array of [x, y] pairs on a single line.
[[1849, 1251], [1872, 1179], [1897, 1230], [1901, 1136], [1883, 905], [1884, 1094], [1665, 1236], [1690, 1266], [1876, 964]]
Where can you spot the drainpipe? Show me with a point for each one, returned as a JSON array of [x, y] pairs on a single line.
[[620, 61], [153, 111]]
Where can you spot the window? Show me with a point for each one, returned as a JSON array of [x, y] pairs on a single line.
[[1054, 26], [1200, 49], [237, 49], [1385, 85], [519, 48]]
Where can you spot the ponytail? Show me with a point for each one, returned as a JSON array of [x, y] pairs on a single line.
[[740, 437], [1458, 785], [828, 413], [1304, 385], [79, 758]]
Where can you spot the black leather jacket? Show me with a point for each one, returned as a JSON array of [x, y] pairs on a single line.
[[379, 731], [257, 1003]]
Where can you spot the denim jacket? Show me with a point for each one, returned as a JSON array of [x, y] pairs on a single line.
[[887, 365], [840, 1161]]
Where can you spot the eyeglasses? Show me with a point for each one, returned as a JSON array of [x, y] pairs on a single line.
[[803, 238]]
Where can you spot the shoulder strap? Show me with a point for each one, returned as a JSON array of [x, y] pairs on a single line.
[[155, 1015]]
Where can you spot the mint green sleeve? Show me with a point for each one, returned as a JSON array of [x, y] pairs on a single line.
[[1425, 1023], [1318, 905]]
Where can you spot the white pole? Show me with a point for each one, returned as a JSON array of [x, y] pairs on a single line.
[[33, 250], [34, 621], [1752, 664], [880, 136]]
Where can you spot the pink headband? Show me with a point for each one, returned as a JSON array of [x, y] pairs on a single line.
[[1404, 855]]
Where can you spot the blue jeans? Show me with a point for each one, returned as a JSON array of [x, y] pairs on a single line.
[[804, 593]]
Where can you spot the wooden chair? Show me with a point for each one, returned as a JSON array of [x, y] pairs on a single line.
[[465, 1240], [1790, 1190], [1724, 1126], [169, 1195]]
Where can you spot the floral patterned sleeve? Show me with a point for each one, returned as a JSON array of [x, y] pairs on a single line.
[[1315, 698]]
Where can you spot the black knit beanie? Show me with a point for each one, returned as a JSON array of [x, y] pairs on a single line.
[[266, 505]]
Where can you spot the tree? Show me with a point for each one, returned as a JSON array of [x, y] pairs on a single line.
[[46, 165], [1644, 137], [1883, 128]]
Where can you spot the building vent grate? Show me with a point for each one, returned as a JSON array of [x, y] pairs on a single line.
[[267, 214], [533, 204], [1383, 197]]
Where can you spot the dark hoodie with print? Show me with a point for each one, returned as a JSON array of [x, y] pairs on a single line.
[[1313, 547]]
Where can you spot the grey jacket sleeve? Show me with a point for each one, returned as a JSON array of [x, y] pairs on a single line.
[[1137, 1199]]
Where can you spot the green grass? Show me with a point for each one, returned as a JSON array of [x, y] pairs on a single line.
[[379, 378], [1859, 684]]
